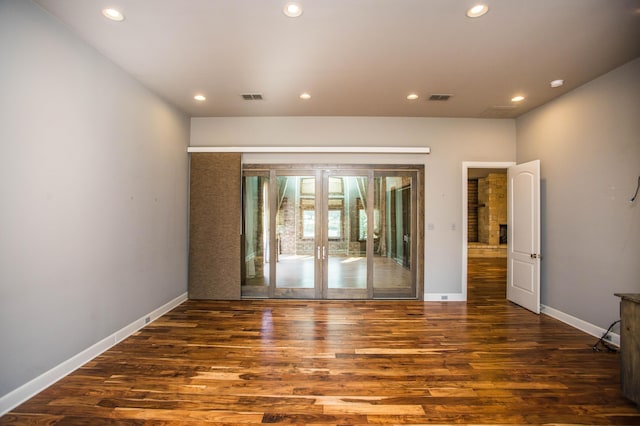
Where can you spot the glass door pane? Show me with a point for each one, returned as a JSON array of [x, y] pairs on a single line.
[[346, 239], [348, 233], [295, 239], [255, 268], [393, 263]]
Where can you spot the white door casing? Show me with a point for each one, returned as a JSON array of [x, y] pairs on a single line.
[[523, 244], [466, 166]]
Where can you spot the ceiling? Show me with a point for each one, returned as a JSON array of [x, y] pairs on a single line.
[[359, 57]]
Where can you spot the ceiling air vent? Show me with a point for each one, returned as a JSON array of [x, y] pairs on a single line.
[[439, 97], [500, 111], [252, 96]]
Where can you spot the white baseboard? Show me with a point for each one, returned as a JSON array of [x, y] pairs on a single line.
[[581, 325], [30, 389], [444, 297]]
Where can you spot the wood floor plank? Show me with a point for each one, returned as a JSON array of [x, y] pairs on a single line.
[[486, 361]]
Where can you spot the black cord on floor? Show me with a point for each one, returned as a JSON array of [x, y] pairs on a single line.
[[602, 342]]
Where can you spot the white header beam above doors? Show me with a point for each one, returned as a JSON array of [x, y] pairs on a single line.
[[313, 149]]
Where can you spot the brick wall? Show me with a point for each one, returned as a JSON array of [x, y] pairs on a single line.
[[472, 210]]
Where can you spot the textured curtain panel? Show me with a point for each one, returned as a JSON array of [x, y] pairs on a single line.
[[214, 226]]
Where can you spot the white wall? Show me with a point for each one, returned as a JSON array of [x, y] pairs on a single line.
[[93, 189], [588, 142], [452, 141]]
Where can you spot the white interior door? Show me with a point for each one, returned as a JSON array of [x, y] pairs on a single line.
[[523, 244]]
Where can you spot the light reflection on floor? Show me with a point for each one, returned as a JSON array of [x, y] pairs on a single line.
[[345, 272]]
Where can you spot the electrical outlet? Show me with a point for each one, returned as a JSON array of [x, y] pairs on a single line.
[[444, 297], [147, 320]]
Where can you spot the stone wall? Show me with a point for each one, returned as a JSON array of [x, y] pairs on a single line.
[[492, 210]]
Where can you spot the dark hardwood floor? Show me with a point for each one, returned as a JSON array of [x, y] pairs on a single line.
[[345, 362]]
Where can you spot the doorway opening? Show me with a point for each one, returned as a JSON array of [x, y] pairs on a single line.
[[484, 236], [332, 232]]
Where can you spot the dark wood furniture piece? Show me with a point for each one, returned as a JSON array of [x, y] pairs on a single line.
[[630, 345]]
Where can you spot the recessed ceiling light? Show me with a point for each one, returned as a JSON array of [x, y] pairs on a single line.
[[412, 96], [477, 11], [200, 98], [556, 83], [113, 14], [518, 98], [292, 9], [305, 96]]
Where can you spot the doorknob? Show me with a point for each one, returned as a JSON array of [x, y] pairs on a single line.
[[536, 256]]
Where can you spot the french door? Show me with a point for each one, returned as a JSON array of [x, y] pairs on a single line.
[[330, 233]]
